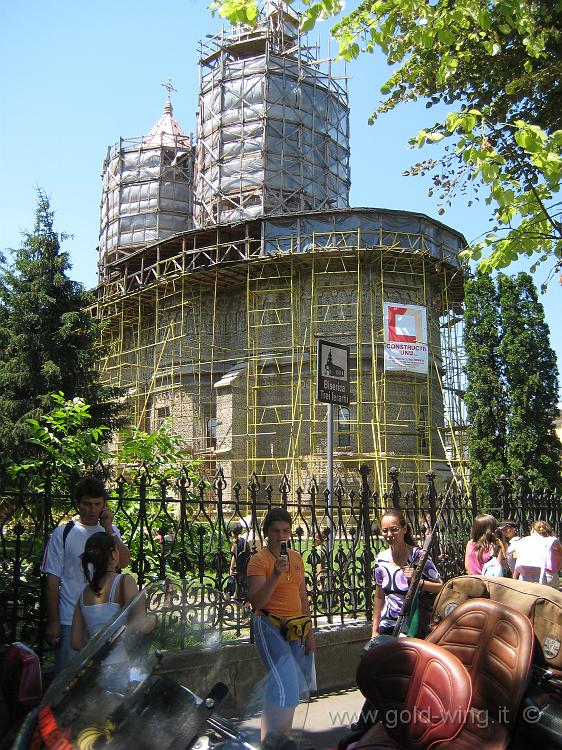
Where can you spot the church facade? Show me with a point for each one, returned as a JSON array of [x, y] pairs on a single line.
[[224, 258]]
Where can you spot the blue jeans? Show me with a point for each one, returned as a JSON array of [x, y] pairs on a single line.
[[285, 662], [63, 651]]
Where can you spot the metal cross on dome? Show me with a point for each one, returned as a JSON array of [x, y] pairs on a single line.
[[168, 86]]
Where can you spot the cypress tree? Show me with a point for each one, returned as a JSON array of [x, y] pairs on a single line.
[[49, 339], [485, 397], [531, 375]]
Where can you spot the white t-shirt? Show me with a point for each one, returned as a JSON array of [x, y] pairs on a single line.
[[535, 560], [64, 562]]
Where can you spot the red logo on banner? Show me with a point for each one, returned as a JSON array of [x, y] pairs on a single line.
[[393, 334]]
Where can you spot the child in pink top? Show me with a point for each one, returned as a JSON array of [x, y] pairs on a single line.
[[481, 547]]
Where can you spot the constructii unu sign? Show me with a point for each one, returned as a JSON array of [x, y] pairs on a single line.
[[405, 338]]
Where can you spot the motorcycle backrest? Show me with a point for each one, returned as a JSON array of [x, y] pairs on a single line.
[[495, 644], [422, 693], [541, 604]]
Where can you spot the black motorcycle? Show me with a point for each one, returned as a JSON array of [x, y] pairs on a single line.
[[161, 676]]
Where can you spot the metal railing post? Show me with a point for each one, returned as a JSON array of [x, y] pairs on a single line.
[[366, 530]]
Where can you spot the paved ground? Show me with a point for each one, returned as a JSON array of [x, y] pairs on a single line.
[[319, 724], [328, 718]]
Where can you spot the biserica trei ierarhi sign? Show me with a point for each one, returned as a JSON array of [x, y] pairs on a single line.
[[332, 373]]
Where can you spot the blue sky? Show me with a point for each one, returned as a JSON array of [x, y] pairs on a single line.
[[77, 76]]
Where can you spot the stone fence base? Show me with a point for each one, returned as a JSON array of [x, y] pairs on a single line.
[[238, 665]]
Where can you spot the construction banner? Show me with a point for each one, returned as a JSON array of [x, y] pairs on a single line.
[[405, 338]]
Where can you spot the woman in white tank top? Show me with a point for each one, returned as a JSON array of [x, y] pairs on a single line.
[[106, 593]]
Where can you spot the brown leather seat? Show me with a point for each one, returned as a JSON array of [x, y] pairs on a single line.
[[423, 694], [495, 644]]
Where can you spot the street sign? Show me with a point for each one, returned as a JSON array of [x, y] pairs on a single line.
[[332, 373]]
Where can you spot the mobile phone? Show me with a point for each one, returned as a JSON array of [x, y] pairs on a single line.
[[283, 550]]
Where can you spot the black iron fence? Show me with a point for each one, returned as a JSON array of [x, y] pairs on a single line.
[[181, 530]]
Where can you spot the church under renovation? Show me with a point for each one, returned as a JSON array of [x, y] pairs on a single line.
[[225, 257]]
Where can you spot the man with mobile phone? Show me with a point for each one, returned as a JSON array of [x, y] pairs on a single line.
[[62, 564]]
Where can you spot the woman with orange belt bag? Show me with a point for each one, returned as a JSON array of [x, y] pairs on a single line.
[[282, 624]]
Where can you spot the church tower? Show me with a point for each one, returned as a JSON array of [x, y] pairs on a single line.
[[147, 190], [273, 127]]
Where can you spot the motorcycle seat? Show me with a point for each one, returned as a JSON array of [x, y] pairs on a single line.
[[422, 694], [494, 642]]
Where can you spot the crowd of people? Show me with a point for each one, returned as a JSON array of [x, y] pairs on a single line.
[[496, 549], [85, 587]]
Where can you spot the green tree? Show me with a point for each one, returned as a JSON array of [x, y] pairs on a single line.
[[485, 395], [68, 443], [531, 376], [65, 443], [50, 342], [3, 310], [498, 64], [61, 442], [159, 453]]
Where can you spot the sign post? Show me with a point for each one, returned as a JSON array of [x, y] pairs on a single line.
[[332, 387]]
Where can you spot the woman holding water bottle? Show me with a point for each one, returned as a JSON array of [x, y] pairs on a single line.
[[282, 624]]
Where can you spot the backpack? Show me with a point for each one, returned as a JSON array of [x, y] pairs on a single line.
[[243, 554], [497, 568], [67, 529], [493, 568]]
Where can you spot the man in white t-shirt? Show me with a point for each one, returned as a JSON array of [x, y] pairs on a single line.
[[63, 566]]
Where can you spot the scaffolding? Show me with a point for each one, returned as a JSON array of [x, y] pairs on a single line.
[[212, 317], [273, 125], [147, 190], [216, 331]]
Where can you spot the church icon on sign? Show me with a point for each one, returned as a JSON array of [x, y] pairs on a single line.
[[331, 370]]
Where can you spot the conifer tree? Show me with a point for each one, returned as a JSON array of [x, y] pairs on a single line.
[[531, 376], [49, 339], [485, 396]]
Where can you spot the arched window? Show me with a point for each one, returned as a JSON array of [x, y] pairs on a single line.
[[344, 427]]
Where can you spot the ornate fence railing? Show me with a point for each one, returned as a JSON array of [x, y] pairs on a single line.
[[181, 530]]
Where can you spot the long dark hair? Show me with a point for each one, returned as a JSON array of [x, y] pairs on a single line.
[[484, 536], [397, 513], [97, 553]]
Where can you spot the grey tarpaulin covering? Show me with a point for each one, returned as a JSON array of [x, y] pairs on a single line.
[[362, 228], [273, 130], [147, 189]]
